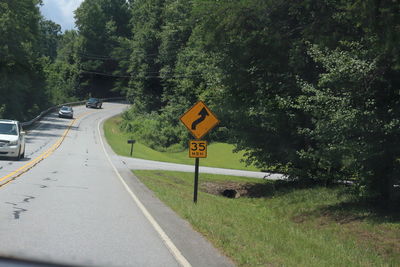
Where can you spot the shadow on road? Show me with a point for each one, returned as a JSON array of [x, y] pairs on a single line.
[[5, 159], [51, 127]]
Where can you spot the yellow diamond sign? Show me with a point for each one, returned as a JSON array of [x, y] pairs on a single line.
[[199, 120]]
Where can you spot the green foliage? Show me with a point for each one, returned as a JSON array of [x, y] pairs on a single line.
[[62, 75], [21, 65], [220, 155], [354, 127], [145, 84], [102, 24], [155, 131], [90, 61], [1, 111], [169, 70], [380, 19], [308, 87], [49, 38]]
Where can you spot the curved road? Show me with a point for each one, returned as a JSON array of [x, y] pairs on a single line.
[[72, 201]]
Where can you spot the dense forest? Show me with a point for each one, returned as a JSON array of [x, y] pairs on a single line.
[[308, 88]]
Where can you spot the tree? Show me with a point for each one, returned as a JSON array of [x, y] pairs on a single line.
[[21, 66], [49, 38], [100, 23], [307, 88], [145, 85], [62, 75]]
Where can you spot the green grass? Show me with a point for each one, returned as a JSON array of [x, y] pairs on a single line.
[[286, 227], [219, 154]]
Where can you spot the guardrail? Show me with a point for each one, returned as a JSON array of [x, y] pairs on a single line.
[[51, 109]]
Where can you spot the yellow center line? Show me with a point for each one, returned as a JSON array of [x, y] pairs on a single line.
[[13, 175]]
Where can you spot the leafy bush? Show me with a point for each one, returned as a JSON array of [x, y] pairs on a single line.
[[160, 132], [354, 126]]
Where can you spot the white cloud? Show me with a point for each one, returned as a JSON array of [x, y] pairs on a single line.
[[61, 12]]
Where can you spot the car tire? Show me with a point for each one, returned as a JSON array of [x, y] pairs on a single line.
[[17, 158], [23, 154]]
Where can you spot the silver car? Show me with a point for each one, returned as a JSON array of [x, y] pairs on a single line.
[[66, 112], [12, 139]]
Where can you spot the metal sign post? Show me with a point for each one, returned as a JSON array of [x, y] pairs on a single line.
[[197, 149], [196, 180], [131, 141]]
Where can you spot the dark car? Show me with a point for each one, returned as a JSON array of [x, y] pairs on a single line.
[[94, 103], [66, 112]]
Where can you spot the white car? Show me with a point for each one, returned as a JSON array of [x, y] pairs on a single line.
[[12, 139]]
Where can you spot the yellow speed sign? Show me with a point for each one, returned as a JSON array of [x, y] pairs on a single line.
[[197, 149]]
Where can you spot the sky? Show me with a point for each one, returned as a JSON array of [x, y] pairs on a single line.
[[61, 12]]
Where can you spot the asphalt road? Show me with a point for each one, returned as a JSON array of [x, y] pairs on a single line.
[[72, 201]]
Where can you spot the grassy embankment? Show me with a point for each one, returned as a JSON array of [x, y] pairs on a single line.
[[273, 225], [281, 225], [219, 154]]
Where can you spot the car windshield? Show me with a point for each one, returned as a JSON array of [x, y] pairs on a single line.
[[92, 99], [66, 108], [8, 129]]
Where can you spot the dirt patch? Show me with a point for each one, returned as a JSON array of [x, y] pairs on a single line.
[[237, 189], [363, 227], [385, 241], [326, 216], [171, 178]]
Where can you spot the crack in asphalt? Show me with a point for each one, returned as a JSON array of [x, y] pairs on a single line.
[[49, 179], [42, 185], [94, 136], [28, 199], [38, 149], [17, 211]]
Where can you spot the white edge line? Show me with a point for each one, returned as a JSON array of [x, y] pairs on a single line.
[[167, 241]]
